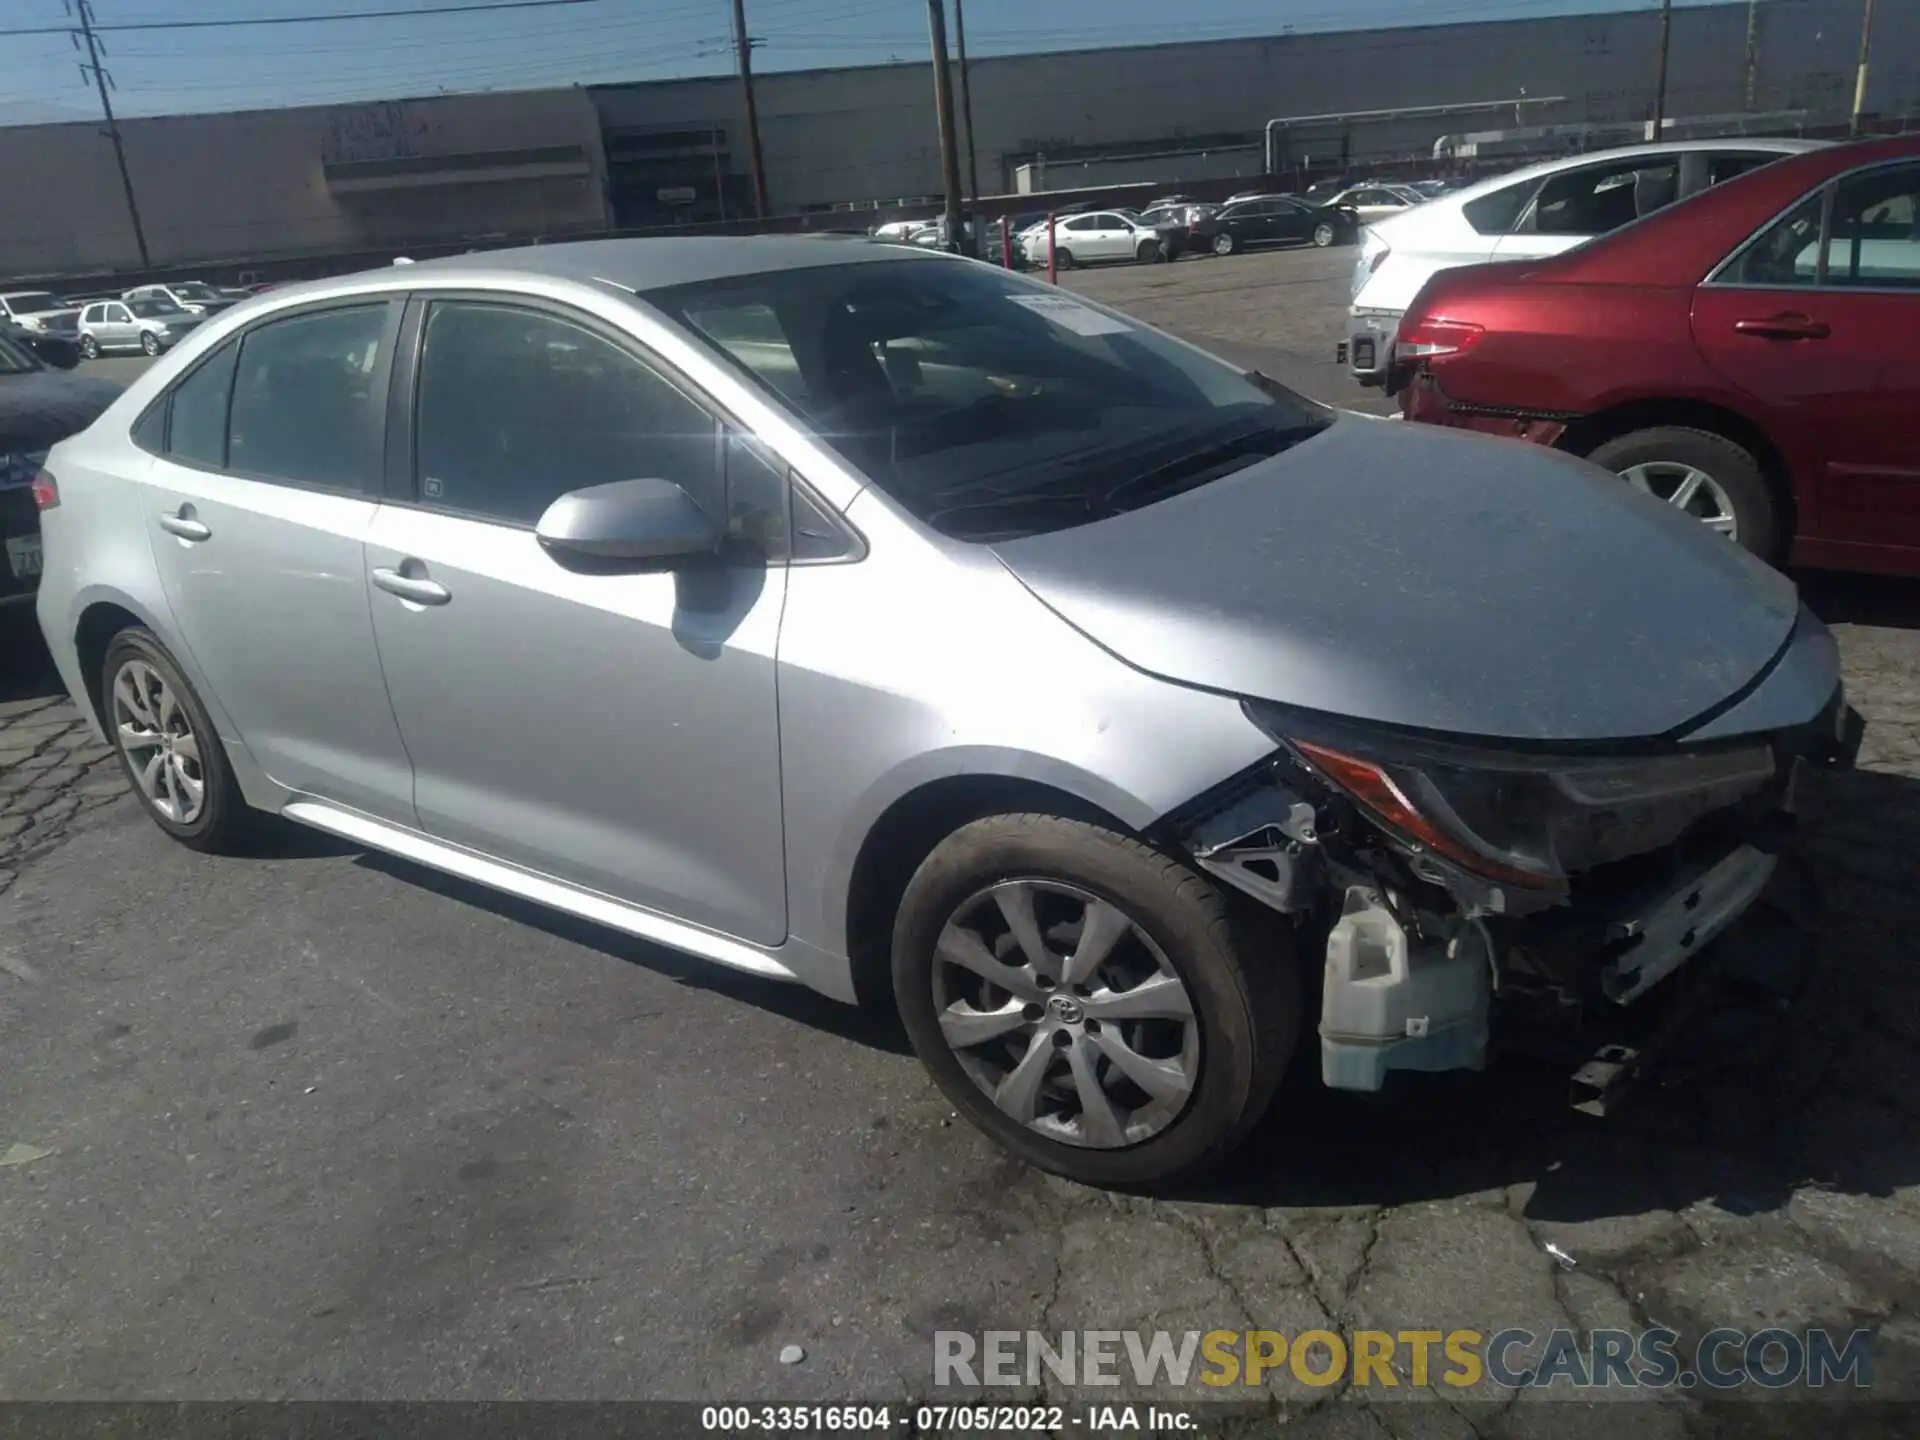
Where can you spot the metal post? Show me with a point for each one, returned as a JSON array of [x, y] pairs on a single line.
[[1053, 275], [1753, 54], [85, 12], [745, 46], [1006, 242], [966, 96], [943, 104], [1660, 86], [1860, 77]]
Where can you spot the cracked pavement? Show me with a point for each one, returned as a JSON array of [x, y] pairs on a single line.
[[320, 1124]]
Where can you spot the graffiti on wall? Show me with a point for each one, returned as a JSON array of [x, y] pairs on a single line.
[[369, 132]]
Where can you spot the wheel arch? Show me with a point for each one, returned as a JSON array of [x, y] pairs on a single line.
[[909, 827], [1622, 417]]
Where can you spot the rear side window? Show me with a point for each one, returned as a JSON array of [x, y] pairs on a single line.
[[197, 431], [1594, 201], [1724, 166], [1498, 212], [306, 396], [1875, 242]]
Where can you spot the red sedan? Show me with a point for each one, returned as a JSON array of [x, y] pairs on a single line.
[[1751, 355]]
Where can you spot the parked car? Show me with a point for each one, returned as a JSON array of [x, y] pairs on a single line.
[[1088, 239], [1377, 201], [767, 684], [1277, 220], [1525, 215], [55, 342], [193, 296], [34, 309], [39, 406], [1739, 355], [149, 326]]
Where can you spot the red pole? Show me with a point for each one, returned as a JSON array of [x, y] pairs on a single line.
[[1053, 275], [1006, 242]]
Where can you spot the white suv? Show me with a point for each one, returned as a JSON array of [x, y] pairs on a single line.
[[1526, 214]]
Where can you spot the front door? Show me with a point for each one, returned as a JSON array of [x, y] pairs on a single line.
[[1825, 347], [615, 731], [256, 523]]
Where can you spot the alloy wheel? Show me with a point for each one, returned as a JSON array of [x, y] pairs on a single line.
[[150, 343], [1223, 244], [1066, 1014], [1323, 234], [89, 348], [1689, 489], [155, 734]]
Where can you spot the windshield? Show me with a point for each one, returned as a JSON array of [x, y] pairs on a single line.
[[15, 359], [989, 406], [194, 290], [154, 309], [30, 302]]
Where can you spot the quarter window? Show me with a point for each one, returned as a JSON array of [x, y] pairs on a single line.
[[1498, 212], [197, 429], [516, 408], [306, 396]]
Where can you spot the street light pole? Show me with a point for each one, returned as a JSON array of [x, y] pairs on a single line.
[[1753, 53], [1660, 85], [1860, 77], [943, 103], [84, 14], [745, 44]]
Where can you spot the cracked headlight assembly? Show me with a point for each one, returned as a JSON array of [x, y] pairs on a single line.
[[1525, 820]]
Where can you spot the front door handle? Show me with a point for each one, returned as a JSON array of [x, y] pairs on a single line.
[[183, 524], [1785, 327], [419, 590]]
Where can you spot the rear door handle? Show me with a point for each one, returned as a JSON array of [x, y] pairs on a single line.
[[1785, 327], [183, 524], [419, 590]]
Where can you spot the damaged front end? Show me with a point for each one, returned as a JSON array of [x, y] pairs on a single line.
[[1469, 897]]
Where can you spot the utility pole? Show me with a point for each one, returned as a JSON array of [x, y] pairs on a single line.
[[1860, 78], [1660, 85], [745, 47], [1753, 54], [84, 13], [943, 103], [966, 96]]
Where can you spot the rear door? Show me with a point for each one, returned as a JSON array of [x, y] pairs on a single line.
[[1815, 319], [257, 506]]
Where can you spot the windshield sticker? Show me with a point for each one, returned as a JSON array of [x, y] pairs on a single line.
[[1071, 314]]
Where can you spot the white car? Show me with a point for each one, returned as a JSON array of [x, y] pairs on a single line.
[[1090, 238], [33, 309], [193, 296], [1377, 201], [1525, 214]]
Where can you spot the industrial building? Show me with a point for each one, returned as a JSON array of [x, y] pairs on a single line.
[[220, 190]]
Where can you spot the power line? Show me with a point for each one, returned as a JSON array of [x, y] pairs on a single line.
[[406, 13]]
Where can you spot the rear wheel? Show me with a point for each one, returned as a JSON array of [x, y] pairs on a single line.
[[1705, 475], [1088, 1001], [1324, 234], [168, 746], [89, 348], [1223, 243], [149, 342]]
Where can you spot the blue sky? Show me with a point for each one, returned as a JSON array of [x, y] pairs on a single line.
[[160, 72]]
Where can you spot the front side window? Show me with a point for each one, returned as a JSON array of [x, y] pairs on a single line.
[[517, 407], [1081, 222], [987, 405], [117, 314], [306, 397]]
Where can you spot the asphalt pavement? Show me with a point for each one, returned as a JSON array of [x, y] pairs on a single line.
[[316, 1123]]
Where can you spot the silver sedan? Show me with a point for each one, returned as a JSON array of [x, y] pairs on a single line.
[[880, 621]]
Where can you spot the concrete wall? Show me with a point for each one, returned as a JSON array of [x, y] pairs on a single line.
[[869, 133], [214, 187]]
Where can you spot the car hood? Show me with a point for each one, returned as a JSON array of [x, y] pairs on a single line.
[[41, 408], [1416, 577]]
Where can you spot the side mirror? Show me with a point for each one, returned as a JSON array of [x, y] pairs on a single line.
[[642, 524]]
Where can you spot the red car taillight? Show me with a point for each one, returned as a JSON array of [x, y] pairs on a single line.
[[1425, 339], [46, 491]]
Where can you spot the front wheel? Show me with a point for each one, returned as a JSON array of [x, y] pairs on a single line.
[[1699, 473], [1223, 243], [149, 343], [1088, 1001], [1150, 252], [1324, 234]]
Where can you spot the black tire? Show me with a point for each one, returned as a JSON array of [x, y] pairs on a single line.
[[1731, 466], [224, 821], [149, 343], [89, 348], [1324, 234], [1151, 252], [1062, 259], [1244, 986], [1224, 244]]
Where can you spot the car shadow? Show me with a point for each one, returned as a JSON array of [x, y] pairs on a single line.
[[1845, 599], [875, 1027], [1759, 1096], [26, 665]]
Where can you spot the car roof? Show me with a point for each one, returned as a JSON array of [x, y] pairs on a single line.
[[635, 265], [1778, 144]]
